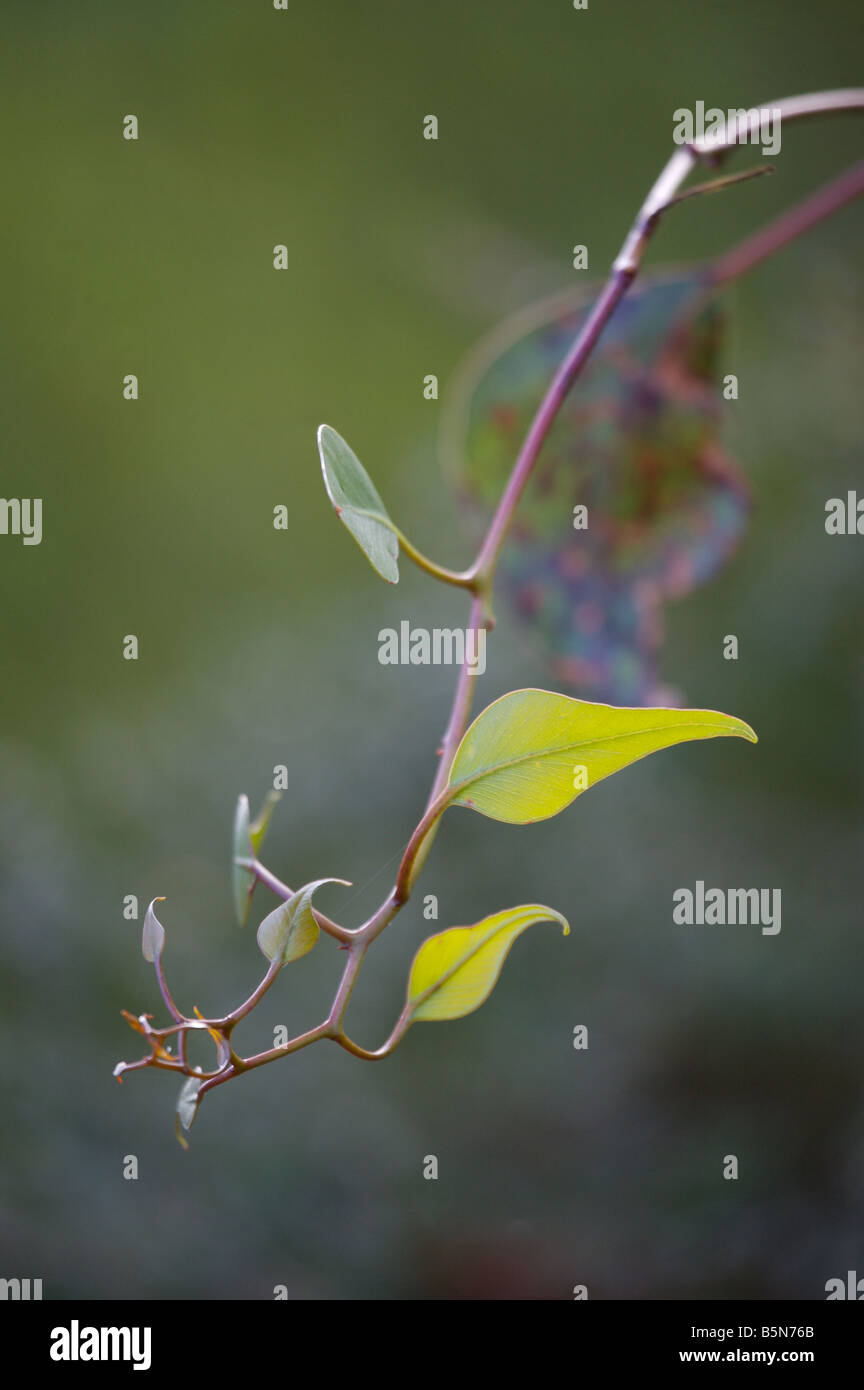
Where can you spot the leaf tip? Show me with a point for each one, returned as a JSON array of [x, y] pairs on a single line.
[[322, 438], [152, 934]]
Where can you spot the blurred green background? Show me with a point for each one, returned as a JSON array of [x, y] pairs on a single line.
[[259, 647]]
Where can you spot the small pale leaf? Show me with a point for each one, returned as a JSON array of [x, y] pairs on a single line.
[[153, 934], [455, 971], [187, 1106], [242, 880], [531, 753], [358, 505], [290, 930]]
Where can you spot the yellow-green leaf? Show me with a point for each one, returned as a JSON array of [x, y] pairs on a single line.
[[290, 930], [358, 505], [455, 971], [531, 753], [247, 841], [259, 827]]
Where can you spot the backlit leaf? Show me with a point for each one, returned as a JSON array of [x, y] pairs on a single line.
[[357, 504], [455, 971], [531, 753], [290, 930]]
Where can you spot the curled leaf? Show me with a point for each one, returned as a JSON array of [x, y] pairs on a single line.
[[532, 752], [290, 930], [455, 971], [153, 934], [357, 504], [135, 1023]]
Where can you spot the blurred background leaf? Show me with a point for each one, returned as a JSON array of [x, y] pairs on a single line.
[[632, 501]]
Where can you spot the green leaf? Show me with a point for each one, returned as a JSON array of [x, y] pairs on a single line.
[[531, 753], [248, 839], [358, 505], [455, 971], [259, 827], [290, 930], [242, 880], [153, 934], [187, 1106]]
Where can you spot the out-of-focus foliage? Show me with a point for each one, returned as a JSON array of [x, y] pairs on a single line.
[[633, 501]]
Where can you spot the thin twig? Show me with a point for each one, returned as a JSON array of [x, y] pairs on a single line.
[[165, 992], [717, 185], [283, 891]]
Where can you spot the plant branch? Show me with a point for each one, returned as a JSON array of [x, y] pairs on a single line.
[[612, 292], [479, 578], [283, 891], [663, 195], [717, 185], [788, 109], [260, 1059], [418, 846], [401, 1027], [789, 225], [679, 166], [254, 999], [463, 579], [356, 952], [165, 992]]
